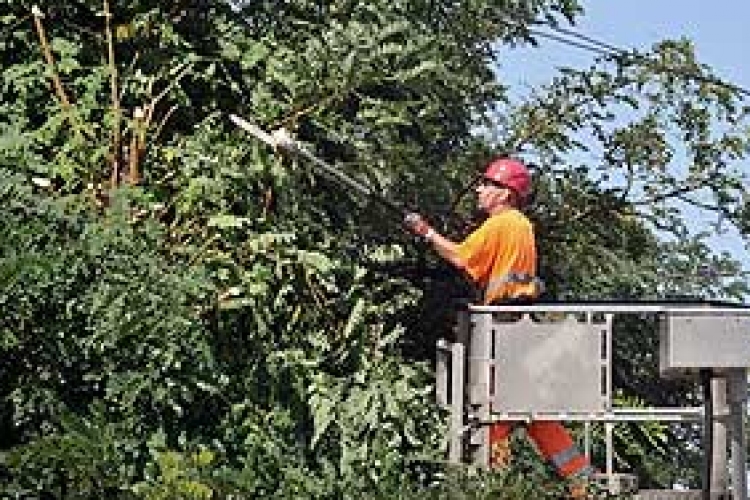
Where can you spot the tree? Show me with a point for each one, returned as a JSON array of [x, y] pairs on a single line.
[[187, 312], [185, 317], [629, 149]]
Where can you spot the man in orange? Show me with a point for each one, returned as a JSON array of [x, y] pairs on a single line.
[[500, 256]]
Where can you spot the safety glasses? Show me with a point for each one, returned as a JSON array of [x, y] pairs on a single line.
[[490, 183]]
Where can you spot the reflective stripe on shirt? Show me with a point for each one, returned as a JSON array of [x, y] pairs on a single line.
[[521, 278]]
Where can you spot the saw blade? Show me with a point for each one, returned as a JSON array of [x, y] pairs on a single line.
[[254, 130]]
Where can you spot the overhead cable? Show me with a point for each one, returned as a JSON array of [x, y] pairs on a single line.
[[585, 42]]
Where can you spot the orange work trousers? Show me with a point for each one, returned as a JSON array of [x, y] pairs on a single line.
[[552, 441]]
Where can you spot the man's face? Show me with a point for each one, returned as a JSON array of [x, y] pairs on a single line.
[[491, 195]]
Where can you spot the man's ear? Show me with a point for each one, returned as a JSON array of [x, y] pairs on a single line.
[[507, 195], [510, 197]]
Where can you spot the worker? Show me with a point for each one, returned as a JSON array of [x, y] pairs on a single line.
[[500, 256]]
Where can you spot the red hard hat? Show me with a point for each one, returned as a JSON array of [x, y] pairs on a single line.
[[510, 173]]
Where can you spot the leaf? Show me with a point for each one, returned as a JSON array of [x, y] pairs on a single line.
[[422, 70], [227, 221], [355, 319], [324, 413]]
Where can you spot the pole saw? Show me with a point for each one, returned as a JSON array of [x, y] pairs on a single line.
[[281, 140]]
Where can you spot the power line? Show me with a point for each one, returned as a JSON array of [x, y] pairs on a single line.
[[591, 40], [585, 42], [572, 43]]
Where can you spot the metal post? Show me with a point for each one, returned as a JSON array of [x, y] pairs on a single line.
[[458, 387], [719, 479], [441, 372], [609, 428], [737, 385], [608, 336], [480, 346]]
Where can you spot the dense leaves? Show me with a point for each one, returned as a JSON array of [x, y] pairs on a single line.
[[189, 315]]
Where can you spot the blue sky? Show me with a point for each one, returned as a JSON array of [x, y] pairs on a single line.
[[719, 30]]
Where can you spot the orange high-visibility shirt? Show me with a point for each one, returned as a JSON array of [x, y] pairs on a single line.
[[503, 244]]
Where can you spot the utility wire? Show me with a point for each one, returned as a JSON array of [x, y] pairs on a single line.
[[585, 42], [572, 43], [589, 39]]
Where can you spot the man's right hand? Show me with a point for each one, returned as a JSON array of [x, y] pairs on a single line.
[[447, 249], [417, 224]]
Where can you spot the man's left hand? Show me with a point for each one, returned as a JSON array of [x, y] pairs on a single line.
[[417, 224]]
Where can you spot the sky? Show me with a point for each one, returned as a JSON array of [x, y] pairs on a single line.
[[719, 30]]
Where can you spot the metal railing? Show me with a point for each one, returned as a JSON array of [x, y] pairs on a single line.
[[554, 362]]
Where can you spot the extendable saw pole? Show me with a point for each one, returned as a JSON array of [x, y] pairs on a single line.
[[281, 140]]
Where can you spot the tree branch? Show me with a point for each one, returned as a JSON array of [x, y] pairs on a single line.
[[181, 71], [114, 88], [49, 58]]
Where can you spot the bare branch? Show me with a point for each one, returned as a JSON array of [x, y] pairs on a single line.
[[114, 87], [49, 58], [181, 71], [137, 147], [164, 121], [130, 69], [658, 198], [698, 204]]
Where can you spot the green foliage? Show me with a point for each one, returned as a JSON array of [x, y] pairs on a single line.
[[87, 457], [631, 152], [188, 315], [639, 143], [178, 476]]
